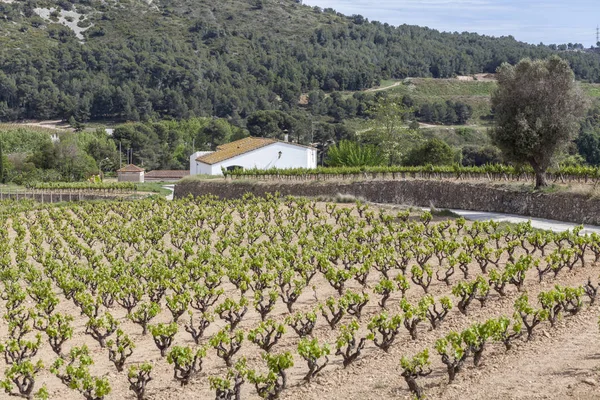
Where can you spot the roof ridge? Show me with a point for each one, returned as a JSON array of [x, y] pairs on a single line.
[[130, 168]]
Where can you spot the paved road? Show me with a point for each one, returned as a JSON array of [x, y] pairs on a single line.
[[172, 189], [539, 223]]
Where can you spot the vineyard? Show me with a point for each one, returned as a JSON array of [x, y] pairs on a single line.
[[106, 187], [273, 298], [491, 172]]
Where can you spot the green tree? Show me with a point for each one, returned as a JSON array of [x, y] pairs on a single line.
[[71, 160], [434, 151], [268, 124], [388, 131], [537, 107], [477, 156], [588, 141], [588, 145], [217, 132]]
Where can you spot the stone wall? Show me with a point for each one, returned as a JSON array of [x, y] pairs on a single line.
[[561, 206], [56, 197]]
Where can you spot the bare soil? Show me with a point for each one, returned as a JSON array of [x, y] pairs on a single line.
[[557, 363]]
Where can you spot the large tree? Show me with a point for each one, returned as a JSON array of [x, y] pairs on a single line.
[[537, 107]]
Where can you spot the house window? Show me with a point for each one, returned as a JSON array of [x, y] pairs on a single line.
[[234, 167]]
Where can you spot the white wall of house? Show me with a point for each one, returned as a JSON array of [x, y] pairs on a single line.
[[292, 156], [194, 168]]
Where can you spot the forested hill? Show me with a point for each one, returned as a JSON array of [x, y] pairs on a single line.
[[134, 60]]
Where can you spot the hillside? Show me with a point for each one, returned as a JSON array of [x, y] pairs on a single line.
[[476, 93], [134, 60]]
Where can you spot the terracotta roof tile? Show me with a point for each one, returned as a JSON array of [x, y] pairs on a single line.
[[131, 168], [234, 149]]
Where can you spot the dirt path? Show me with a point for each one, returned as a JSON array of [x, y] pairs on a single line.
[[56, 125], [384, 88]]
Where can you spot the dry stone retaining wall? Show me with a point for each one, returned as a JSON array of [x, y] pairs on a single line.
[[562, 206]]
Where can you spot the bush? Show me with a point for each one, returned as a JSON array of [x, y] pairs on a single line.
[[588, 145], [478, 156], [353, 154], [434, 152]]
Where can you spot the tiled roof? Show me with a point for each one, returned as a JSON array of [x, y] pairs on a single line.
[[167, 174], [131, 168], [233, 149]]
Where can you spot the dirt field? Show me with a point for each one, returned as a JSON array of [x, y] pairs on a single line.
[[560, 362]]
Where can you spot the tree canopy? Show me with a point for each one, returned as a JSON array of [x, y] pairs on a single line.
[[537, 110], [182, 58]]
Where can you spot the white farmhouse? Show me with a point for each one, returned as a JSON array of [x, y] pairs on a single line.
[[253, 152]]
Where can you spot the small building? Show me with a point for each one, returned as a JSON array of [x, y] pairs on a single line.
[[165, 175], [194, 166], [130, 173], [253, 153]]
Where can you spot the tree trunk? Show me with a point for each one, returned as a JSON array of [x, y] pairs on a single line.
[[451, 373], [540, 178], [414, 387], [477, 355]]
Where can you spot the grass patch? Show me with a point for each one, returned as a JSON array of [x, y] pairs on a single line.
[[591, 89], [200, 177], [458, 135], [431, 87], [154, 187], [553, 188], [385, 83]]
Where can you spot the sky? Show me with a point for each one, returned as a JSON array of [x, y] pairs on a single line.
[[532, 21]]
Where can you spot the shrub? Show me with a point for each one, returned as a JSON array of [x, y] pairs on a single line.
[[480, 155], [353, 154], [434, 152]]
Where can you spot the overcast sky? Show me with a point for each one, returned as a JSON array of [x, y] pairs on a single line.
[[533, 21]]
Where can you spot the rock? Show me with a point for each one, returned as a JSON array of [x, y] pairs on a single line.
[[589, 381], [545, 332]]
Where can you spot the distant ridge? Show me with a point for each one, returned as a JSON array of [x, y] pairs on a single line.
[[136, 60]]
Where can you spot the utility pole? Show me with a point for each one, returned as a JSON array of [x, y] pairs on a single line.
[[120, 154]]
